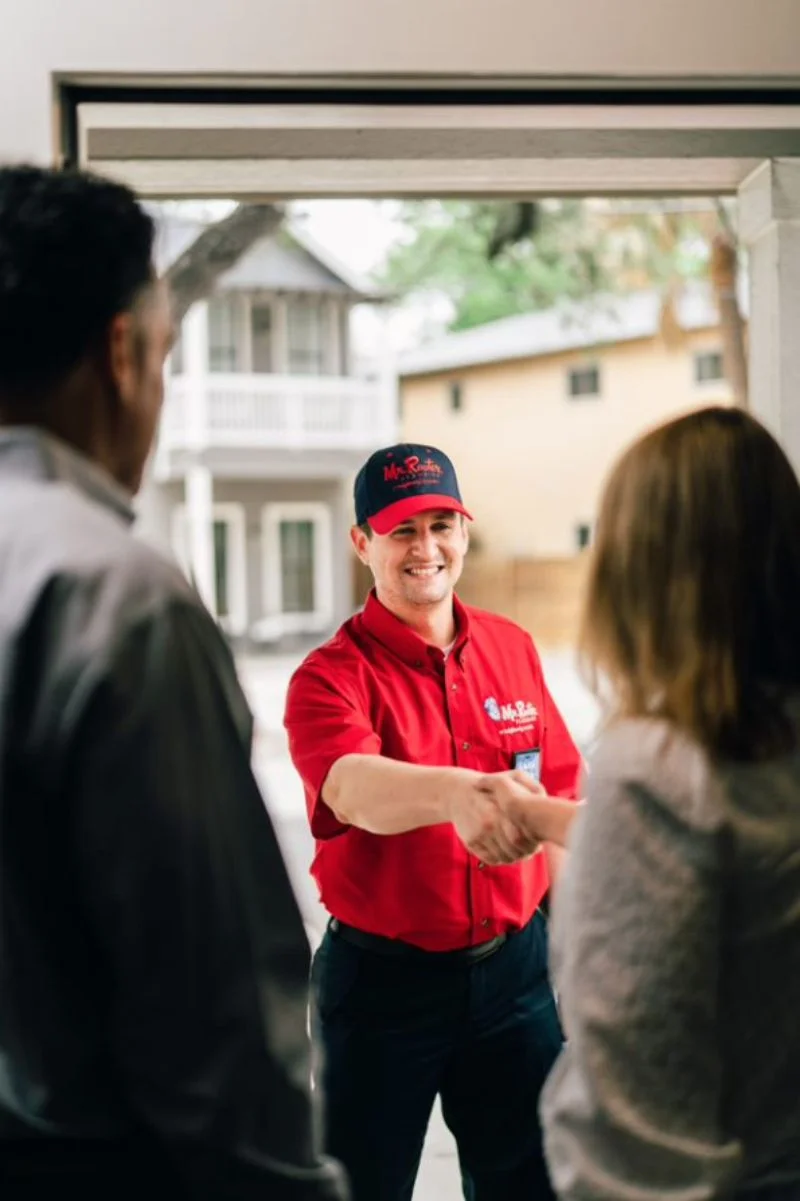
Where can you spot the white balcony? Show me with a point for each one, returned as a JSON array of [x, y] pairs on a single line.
[[276, 412]]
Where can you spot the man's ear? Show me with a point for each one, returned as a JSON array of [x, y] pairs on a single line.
[[360, 543], [123, 356]]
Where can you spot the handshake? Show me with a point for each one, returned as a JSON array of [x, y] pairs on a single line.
[[506, 816]]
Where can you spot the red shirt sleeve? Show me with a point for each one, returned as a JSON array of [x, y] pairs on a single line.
[[324, 722], [562, 762]]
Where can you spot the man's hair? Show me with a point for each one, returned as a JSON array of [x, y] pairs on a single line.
[[693, 601], [75, 251]]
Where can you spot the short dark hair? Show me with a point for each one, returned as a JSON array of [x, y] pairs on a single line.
[[75, 250]]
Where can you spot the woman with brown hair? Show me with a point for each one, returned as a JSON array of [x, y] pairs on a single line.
[[677, 922]]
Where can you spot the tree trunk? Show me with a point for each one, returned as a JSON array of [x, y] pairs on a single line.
[[218, 248], [723, 272], [673, 335]]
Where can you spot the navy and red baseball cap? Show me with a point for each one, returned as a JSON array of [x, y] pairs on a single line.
[[400, 481]]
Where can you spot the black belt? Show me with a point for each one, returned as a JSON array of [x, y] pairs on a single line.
[[394, 946]]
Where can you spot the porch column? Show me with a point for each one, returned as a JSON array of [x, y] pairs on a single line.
[[769, 226], [194, 337], [195, 366], [199, 482], [390, 416], [200, 531], [347, 597]]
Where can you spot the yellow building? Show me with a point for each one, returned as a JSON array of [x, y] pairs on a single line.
[[533, 409]]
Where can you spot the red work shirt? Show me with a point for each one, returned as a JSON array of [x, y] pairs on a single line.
[[376, 688]]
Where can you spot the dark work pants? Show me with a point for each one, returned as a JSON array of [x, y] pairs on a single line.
[[396, 1032]]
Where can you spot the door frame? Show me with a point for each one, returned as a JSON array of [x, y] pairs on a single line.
[[272, 515]]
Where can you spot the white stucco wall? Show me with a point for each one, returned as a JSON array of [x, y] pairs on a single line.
[[262, 38]]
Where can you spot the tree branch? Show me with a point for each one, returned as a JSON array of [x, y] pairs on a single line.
[[725, 220], [723, 270], [218, 248]]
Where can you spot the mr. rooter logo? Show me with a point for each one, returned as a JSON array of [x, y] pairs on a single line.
[[412, 470]]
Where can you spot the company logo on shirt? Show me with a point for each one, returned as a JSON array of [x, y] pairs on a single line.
[[519, 712]]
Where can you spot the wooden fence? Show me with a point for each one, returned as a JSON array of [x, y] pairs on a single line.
[[543, 595]]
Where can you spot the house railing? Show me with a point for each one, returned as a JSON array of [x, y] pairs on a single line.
[[276, 411]]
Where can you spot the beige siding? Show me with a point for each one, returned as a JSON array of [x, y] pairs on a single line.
[[530, 459]]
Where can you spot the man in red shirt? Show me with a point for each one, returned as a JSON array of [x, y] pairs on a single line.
[[433, 758]]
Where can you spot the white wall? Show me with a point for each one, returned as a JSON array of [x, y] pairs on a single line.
[[679, 38]]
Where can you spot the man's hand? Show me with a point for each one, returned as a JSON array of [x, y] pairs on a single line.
[[481, 815], [505, 816], [549, 818]]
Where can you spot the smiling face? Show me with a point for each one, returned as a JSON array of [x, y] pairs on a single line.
[[418, 564]]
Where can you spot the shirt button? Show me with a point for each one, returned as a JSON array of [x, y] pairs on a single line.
[[465, 746], [485, 922], [481, 866], [454, 687], [418, 663]]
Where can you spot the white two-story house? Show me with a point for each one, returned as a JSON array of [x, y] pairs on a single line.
[[265, 423]]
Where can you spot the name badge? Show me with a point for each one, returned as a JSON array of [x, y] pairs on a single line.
[[530, 762]]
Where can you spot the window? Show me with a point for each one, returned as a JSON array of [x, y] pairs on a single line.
[[221, 568], [298, 566], [584, 381], [456, 396], [224, 342], [708, 367], [583, 535], [306, 341], [228, 544], [261, 332]]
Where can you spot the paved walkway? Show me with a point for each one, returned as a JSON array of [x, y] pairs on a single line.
[[265, 680]]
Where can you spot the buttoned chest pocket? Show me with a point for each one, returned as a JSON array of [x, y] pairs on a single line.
[[511, 733]]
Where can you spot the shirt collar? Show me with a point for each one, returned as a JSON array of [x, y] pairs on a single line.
[[33, 453], [397, 637]]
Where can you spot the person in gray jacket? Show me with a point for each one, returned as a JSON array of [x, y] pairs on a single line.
[[677, 923], [153, 962]]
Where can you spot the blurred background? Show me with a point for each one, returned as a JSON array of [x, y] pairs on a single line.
[[530, 340]]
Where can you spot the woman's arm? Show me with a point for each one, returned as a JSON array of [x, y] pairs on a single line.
[[633, 1107]]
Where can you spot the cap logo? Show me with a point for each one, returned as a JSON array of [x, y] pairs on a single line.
[[411, 469], [399, 481]]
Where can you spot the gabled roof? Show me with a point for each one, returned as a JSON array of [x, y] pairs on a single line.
[[602, 321], [288, 260], [354, 280]]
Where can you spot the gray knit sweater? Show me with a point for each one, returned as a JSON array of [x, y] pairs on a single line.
[[676, 954]]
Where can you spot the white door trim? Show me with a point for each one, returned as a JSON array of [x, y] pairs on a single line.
[[235, 623], [268, 150], [320, 515]]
